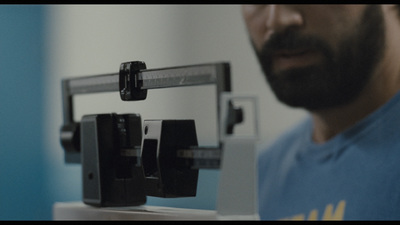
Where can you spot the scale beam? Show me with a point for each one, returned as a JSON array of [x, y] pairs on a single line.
[[132, 83], [148, 79]]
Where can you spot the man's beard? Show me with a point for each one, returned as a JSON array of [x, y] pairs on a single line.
[[339, 78]]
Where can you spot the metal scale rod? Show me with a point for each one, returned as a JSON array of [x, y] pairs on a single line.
[[151, 79]]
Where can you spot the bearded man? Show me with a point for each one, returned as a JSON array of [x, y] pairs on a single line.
[[341, 63]]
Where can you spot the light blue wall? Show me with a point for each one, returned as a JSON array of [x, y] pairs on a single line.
[[22, 190]]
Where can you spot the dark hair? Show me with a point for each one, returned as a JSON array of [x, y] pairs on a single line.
[[398, 10]]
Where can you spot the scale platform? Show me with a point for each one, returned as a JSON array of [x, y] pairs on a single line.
[[80, 211]]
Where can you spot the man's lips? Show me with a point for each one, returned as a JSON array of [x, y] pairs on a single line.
[[287, 59], [289, 53]]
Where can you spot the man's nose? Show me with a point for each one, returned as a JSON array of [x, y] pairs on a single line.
[[280, 17]]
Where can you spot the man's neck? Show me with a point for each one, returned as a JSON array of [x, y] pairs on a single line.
[[330, 122]]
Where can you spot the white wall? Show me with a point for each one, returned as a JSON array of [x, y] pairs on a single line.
[[95, 39]]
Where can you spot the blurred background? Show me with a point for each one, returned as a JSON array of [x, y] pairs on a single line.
[[42, 44]]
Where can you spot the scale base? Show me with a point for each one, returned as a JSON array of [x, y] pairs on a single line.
[[80, 211]]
